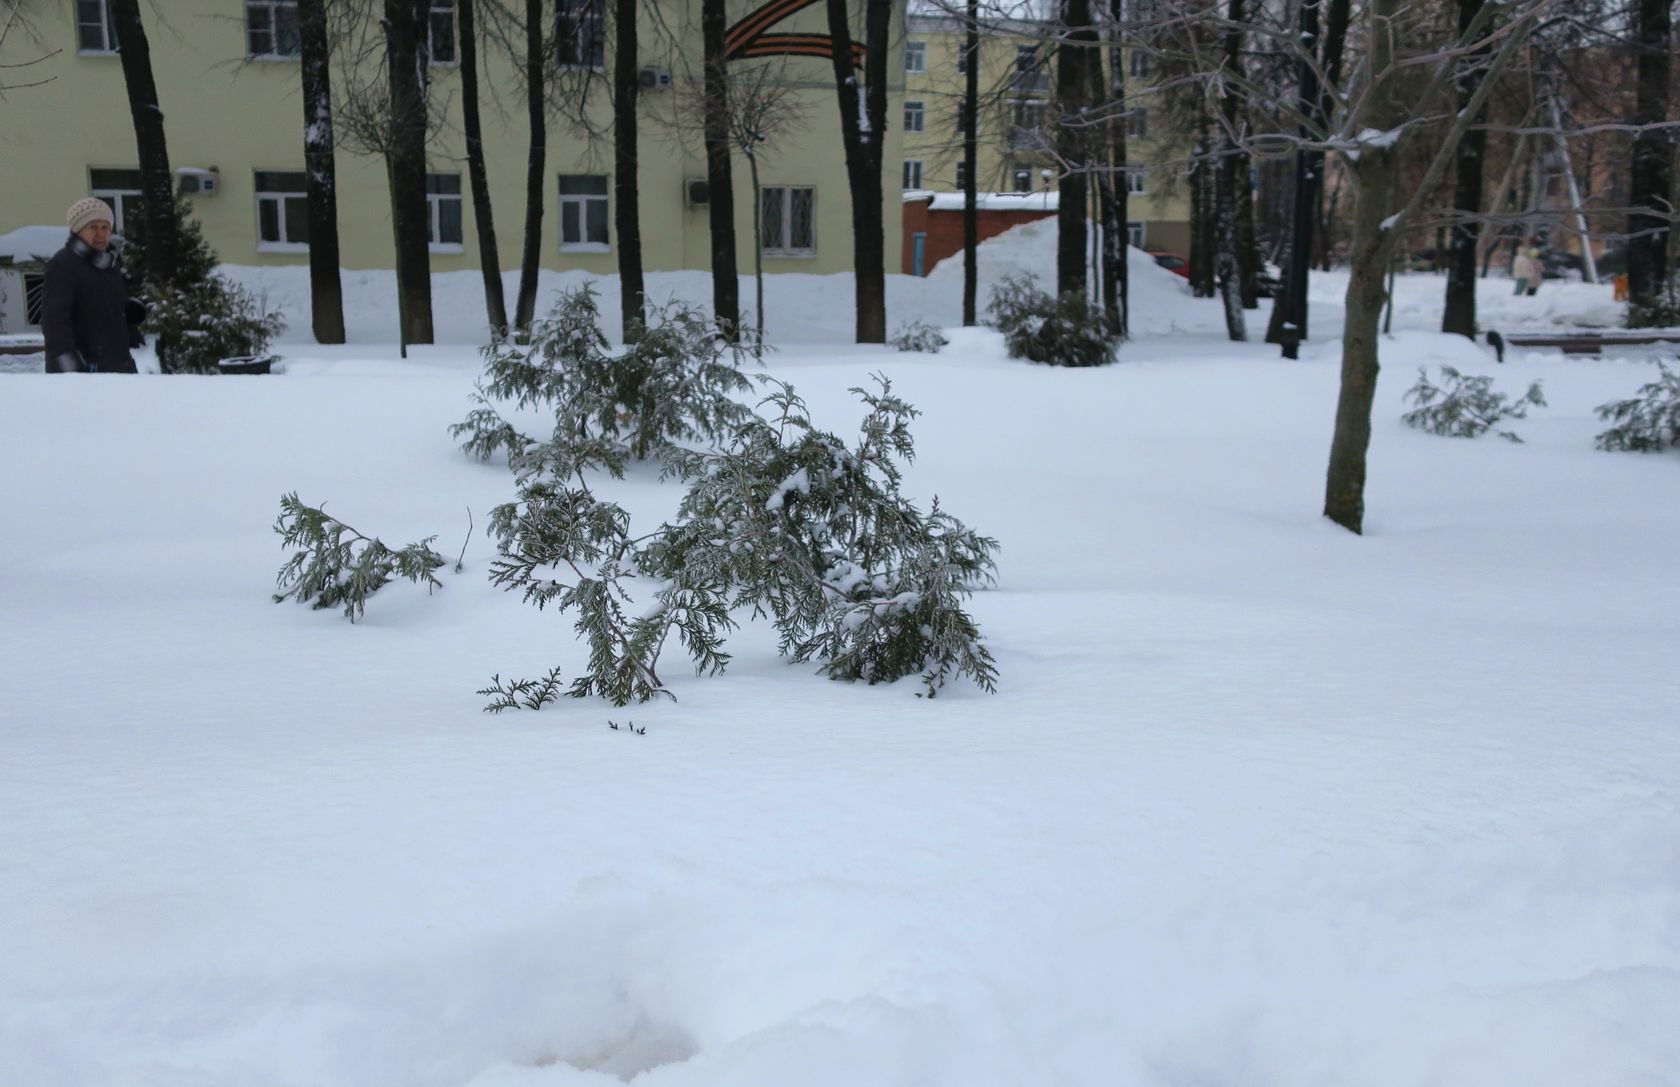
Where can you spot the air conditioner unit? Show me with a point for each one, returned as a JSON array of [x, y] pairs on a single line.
[[697, 192], [194, 181], [653, 78]]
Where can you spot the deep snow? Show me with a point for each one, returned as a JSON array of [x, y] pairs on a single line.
[[1257, 802]]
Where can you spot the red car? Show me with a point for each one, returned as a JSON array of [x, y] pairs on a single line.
[[1172, 262]]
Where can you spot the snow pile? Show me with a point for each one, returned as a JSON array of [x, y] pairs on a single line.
[[32, 243], [1257, 802]]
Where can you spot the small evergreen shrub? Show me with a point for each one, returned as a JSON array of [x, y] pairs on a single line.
[[1647, 423], [784, 520], [200, 318], [1068, 331], [336, 566], [919, 336], [673, 383], [1465, 407]]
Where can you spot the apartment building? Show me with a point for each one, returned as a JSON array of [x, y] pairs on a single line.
[[228, 82], [1016, 80]]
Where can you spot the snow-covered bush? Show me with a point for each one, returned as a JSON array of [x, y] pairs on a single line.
[[674, 383], [784, 520], [338, 566], [919, 336], [1649, 422], [1465, 407], [200, 318], [1068, 331]]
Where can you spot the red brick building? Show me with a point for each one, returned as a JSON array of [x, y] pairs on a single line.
[[933, 222]]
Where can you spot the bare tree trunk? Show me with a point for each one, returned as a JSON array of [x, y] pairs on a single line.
[[157, 182], [1073, 144], [1204, 241], [1227, 263], [1288, 325], [531, 255], [971, 164], [489, 259], [1248, 254], [863, 120], [1375, 178], [627, 215], [720, 183], [1117, 274], [1459, 314], [326, 291], [405, 54], [1652, 184], [758, 256]]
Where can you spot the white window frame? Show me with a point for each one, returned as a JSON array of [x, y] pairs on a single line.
[[273, 7], [434, 212], [436, 10], [783, 247], [962, 57], [1016, 172], [1137, 123], [580, 14], [1139, 63], [912, 174], [1137, 233], [915, 57], [279, 197], [113, 195], [582, 201], [1137, 183], [107, 28], [915, 117]]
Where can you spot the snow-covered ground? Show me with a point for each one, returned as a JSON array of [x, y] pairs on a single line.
[[1258, 803]]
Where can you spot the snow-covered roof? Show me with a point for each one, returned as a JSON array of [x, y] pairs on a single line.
[[985, 201], [31, 243]]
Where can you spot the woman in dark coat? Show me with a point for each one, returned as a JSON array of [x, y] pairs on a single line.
[[85, 311]]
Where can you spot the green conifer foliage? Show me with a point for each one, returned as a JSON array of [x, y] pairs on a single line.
[[1647, 423], [336, 566], [1465, 407], [200, 318], [1065, 331]]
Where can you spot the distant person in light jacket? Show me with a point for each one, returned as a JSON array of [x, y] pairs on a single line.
[[1527, 270], [86, 316]]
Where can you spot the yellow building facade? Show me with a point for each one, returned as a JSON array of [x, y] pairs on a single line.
[[229, 86], [1016, 86]]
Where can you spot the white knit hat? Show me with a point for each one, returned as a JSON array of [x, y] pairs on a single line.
[[89, 209]]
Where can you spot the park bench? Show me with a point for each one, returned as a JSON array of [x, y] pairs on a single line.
[[1580, 342]]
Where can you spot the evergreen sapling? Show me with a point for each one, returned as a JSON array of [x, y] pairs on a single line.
[[336, 566], [1647, 423], [1465, 407]]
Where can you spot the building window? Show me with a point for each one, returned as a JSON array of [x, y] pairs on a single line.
[[1140, 63], [1029, 70], [962, 57], [282, 211], [915, 56], [121, 189], [1027, 118], [1136, 233], [1020, 179], [271, 28], [580, 34], [912, 174], [583, 212], [440, 32], [788, 220], [34, 297], [1137, 123], [1135, 184], [96, 31], [962, 177], [914, 115], [443, 211]]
